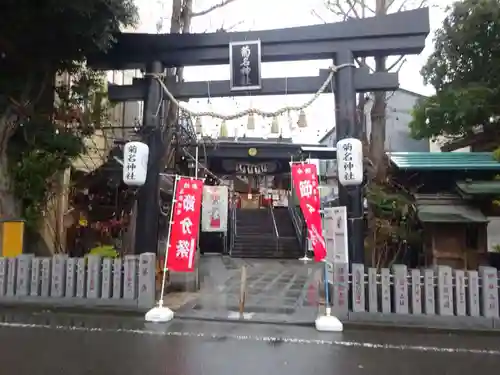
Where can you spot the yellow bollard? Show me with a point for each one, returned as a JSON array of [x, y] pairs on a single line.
[[12, 235]]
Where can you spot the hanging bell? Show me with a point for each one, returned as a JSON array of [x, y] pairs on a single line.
[[223, 129], [251, 122], [275, 126], [302, 122], [198, 126]]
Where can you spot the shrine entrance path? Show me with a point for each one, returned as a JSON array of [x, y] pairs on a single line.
[[278, 291]]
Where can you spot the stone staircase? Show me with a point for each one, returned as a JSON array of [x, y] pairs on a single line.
[[255, 236]]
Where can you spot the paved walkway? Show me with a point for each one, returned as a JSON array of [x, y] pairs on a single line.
[[277, 291]]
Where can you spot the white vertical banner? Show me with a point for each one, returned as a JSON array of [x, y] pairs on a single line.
[[335, 232], [215, 209]]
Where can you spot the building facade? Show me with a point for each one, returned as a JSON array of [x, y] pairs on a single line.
[[398, 116]]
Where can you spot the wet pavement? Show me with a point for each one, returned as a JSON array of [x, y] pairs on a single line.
[[48, 343], [276, 290]]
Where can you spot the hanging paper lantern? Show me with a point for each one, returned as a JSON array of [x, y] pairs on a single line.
[[223, 129], [350, 161], [302, 122], [135, 163], [275, 126], [251, 122], [198, 126]]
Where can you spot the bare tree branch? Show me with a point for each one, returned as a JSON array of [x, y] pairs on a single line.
[[225, 29], [352, 6], [403, 5], [314, 13], [362, 63], [389, 4], [397, 62], [335, 7], [222, 4]]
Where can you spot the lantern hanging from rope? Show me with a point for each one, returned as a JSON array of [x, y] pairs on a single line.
[[198, 126], [302, 122], [275, 126], [251, 122], [223, 129]]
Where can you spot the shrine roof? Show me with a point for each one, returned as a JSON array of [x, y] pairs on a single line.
[[444, 161]]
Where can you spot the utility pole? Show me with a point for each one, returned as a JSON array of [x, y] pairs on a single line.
[[146, 232]]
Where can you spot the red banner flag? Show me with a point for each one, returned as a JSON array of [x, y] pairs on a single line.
[[305, 183], [185, 225]]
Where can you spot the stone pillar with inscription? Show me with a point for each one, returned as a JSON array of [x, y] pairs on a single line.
[[94, 276], [372, 290], [107, 268], [117, 278], [45, 277], [11, 276], [400, 288], [489, 291], [385, 290], [3, 276], [473, 308], [341, 288], [460, 300], [445, 290], [23, 274], [81, 278], [429, 292], [358, 288], [416, 292], [36, 269], [58, 275], [130, 277], [147, 280], [70, 291]]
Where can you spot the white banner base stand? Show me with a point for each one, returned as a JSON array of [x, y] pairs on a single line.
[[328, 322], [159, 314], [305, 259]]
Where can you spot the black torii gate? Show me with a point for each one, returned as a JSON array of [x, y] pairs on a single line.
[[401, 33]]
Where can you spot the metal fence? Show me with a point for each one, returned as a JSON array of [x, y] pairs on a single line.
[[124, 283], [440, 292]]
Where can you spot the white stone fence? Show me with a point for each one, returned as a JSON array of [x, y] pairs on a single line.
[[125, 283], [438, 291]]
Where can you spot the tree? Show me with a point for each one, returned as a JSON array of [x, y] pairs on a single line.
[[391, 223], [42, 126], [356, 9], [182, 15], [464, 69]]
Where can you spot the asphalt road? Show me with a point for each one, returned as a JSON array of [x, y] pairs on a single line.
[[73, 345]]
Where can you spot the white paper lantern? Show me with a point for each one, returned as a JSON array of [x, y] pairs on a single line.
[[135, 163], [350, 161]]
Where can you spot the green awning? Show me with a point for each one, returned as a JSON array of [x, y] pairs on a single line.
[[444, 161], [449, 213], [479, 187]]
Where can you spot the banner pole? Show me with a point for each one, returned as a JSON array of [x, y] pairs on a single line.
[[196, 156], [160, 313], [305, 258], [164, 278]]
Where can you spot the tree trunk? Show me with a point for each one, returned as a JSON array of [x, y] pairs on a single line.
[[9, 205], [378, 115], [377, 134]]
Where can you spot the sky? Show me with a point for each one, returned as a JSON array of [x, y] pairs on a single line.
[[271, 14]]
